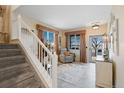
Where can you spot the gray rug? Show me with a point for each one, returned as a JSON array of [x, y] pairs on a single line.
[[76, 75]]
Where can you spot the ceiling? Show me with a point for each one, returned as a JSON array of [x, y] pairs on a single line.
[[67, 16]]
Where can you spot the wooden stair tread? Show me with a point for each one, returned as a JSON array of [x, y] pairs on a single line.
[[15, 71], [15, 66], [14, 80], [34, 85], [11, 58], [9, 52], [8, 44], [12, 63], [28, 83]]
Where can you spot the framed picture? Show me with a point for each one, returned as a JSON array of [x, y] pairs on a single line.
[[116, 37], [114, 34]]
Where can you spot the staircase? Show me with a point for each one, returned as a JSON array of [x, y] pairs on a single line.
[[40, 57], [15, 70]]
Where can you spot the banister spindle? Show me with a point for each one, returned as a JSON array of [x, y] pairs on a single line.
[[19, 26], [44, 57], [39, 56], [54, 70]]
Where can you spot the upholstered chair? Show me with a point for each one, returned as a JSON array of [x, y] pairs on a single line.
[[66, 57]]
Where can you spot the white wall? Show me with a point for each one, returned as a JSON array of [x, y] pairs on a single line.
[[118, 11], [14, 7]]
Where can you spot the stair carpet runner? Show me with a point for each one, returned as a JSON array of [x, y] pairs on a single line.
[[15, 71]]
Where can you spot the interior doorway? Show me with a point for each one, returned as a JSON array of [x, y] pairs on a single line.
[[96, 48]]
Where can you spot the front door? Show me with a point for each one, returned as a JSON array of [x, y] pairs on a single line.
[[96, 48]]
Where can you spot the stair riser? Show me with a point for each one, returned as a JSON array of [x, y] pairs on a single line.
[[10, 53], [9, 47], [18, 59], [12, 63]]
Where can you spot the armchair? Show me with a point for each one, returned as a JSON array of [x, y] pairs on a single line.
[[66, 58]]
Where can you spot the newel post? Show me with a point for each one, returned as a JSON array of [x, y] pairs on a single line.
[[54, 70], [19, 26]]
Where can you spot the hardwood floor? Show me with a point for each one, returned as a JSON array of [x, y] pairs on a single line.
[[76, 75]]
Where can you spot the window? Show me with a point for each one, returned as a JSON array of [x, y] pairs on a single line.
[[74, 41], [48, 37]]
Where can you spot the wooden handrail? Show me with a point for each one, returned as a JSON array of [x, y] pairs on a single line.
[[3, 33]]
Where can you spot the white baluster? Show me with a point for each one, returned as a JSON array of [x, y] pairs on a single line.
[[44, 58], [19, 26], [47, 62], [50, 70], [39, 53], [42, 55], [54, 70]]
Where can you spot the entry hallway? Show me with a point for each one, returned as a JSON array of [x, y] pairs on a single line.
[[76, 75]]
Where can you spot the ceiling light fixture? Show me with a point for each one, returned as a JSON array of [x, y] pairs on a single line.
[[95, 26]]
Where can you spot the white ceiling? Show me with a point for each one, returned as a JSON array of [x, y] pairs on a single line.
[[69, 16]]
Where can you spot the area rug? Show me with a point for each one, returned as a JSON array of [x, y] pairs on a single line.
[[76, 75]]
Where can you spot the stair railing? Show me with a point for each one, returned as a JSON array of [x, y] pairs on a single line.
[[42, 58]]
